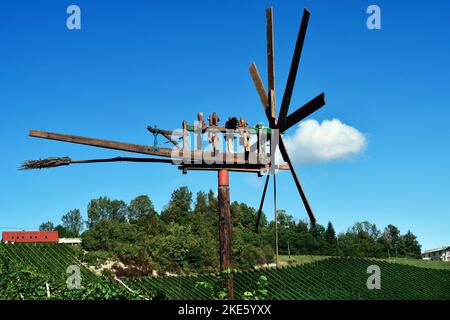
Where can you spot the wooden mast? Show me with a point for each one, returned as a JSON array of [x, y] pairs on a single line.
[[225, 228]]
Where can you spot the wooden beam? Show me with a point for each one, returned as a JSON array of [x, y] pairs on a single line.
[[260, 89], [261, 204], [136, 148], [122, 146], [223, 200], [270, 50], [286, 158], [294, 67], [305, 111]]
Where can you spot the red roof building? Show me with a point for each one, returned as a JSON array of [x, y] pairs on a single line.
[[30, 236]]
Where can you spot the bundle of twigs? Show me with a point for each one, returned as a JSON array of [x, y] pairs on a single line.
[[65, 161]]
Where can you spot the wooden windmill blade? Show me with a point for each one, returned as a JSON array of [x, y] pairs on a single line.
[[259, 85], [270, 69], [305, 201], [261, 204], [305, 111], [294, 67], [284, 122]]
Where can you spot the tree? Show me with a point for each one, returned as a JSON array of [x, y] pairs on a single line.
[[391, 238], [330, 234], [366, 229], [302, 227], [117, 211], [179, 206], [73, 222], [140, 209], [285, 220], [63, 232], [47, 226], [104, 208], [201, 203], [97, 210], [409, 246]]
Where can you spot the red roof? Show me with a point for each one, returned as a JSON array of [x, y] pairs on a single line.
[[30, 236]]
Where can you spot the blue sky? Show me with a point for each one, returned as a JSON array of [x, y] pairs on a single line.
[[136, 63]]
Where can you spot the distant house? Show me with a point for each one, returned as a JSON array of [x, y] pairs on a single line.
[[30, 236], [71, 241], [442, 254]]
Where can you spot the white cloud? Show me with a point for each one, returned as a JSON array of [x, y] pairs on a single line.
[[328, 141]]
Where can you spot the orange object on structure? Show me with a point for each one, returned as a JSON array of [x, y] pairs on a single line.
[[223, 178], [30, 236]]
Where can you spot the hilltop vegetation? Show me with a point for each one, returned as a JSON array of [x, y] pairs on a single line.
[[183, 237]]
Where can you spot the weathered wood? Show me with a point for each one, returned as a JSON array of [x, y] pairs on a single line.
[[272, 106], [185, 136], [270, 49], [303, 112], [136, 148], [229, 167], [270, 67], [260, 89], [199, 131], [225, 228], [286, 158], [261, 204], [294, 67], [107, 144]]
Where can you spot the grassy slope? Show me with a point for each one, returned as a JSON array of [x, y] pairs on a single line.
[[298, 260]]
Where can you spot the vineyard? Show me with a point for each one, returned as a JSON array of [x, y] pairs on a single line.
[[334, 278], [331, 278], [49, 259]]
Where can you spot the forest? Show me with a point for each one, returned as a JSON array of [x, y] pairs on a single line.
[[183, 237]]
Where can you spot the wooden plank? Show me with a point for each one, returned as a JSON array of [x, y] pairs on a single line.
[[294, 67], [229, 167], [270, 50], [107, 144], [260, 89], [305, 111], [261, 204], [135, 148], [273, 113], [286, 158]]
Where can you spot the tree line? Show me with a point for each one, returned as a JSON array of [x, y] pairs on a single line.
[[183, 237]]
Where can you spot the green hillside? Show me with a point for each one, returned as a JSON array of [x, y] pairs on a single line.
[[333, 278], [49, 259], [324, 278]]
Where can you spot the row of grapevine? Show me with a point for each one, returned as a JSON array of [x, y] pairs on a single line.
[[51, 259], [334, 278]]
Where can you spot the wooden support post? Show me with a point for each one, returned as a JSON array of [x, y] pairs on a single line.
[[225, 228]]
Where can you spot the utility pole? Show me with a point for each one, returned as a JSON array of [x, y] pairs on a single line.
[[225, 228]]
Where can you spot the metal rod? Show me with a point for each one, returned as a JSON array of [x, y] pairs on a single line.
[[276, 217]]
